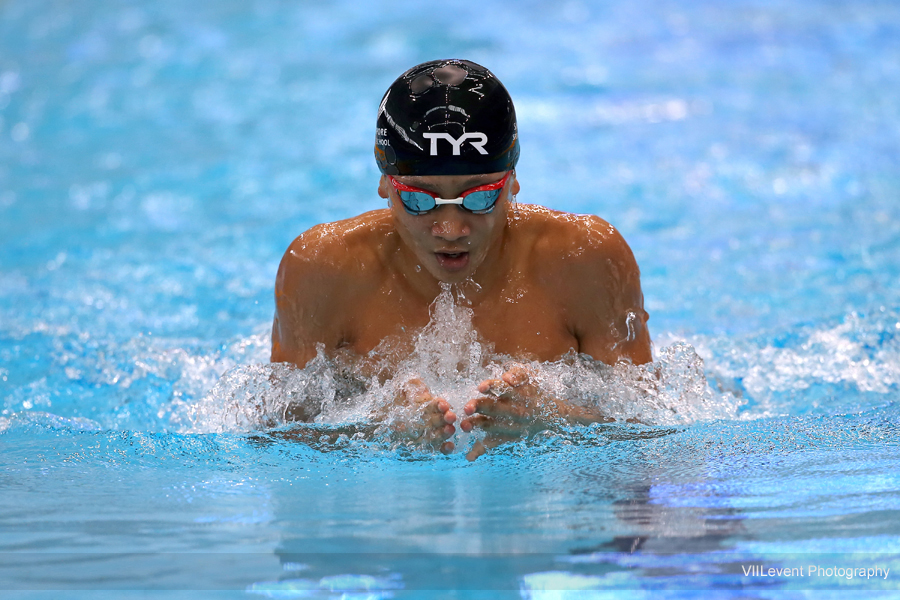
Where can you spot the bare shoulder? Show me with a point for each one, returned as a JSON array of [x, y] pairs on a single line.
[[327, 243], [322, 270], [574, 241], [591, 269], [330, 252]]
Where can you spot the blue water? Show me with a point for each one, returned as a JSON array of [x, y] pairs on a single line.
[[157, 158]]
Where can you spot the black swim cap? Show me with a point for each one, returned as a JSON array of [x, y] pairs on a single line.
[[446, 117]]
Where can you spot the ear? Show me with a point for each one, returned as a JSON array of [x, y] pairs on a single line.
[[384, 187]]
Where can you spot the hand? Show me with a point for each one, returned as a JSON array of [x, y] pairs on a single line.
[[515, 406], [512, 406], [435, 419]]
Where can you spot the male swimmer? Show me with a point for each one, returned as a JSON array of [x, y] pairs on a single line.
[[540, 283]]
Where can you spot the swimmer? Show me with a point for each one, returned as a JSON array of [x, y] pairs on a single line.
[[541, 283]]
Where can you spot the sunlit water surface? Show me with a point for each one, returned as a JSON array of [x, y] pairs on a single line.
[[157, 158]]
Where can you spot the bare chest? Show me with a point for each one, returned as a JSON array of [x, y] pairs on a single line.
[[524, 321]]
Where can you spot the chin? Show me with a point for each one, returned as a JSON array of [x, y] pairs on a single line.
[[457, 277], [445, 276]]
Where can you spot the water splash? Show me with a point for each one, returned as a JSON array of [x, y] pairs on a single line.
[[451, 360], [850, 364], [844, 366]]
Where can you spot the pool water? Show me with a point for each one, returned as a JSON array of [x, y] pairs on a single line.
[[157, 158]]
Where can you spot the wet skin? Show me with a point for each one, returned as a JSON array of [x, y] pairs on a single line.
[[541, 283]]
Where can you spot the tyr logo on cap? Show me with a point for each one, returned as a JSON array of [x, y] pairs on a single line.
[[472, 135]]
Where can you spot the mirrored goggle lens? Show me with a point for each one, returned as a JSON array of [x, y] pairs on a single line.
[[480, 202], [477, 202], [417, 202]]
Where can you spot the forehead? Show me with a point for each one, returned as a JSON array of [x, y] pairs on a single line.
[[449, 181]]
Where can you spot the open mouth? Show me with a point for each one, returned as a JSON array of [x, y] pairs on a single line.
[[452, 261]]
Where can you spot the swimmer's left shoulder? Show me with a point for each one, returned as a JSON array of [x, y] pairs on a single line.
[[572, 236]]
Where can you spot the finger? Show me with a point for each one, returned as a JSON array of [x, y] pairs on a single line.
[[497, 407], [477, 450], [482, 421], [495, 387], [434, 421], [517, 375], [447, 447], [495, 439], [443, 408], [487, 384], [484, 405], [438, 417], [436, 406], [489, 442], [431, 412]]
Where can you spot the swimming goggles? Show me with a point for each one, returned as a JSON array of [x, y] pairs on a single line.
[[478, 200]]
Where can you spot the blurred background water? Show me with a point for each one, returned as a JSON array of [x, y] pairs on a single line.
[[157, 158]]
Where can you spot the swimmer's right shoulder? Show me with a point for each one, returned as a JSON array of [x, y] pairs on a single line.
[[340, 246], [321, 277]]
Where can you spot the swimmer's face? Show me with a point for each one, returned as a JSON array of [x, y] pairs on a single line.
[[450, 242]]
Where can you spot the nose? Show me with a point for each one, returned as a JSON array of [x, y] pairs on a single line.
[[451, 223]]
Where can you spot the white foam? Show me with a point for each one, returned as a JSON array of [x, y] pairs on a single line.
[[838, 361]]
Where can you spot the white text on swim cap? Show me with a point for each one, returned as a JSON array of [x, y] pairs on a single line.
[[477, 135]]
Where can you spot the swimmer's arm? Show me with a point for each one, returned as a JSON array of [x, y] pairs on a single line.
[[607, 307], [308, 302]]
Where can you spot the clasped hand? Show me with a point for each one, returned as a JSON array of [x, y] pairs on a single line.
[[509, 407], [435, 423]]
